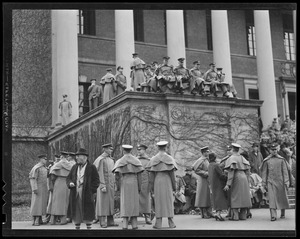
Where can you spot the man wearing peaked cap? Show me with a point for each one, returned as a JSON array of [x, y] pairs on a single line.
[[120, 81], [162, 184], [65, 110], [191, 185], [255, 159], [165, 75], [197, 81], [166, 57], [145, 196], [39, 197], [95, 93], [106, 191], [240, 199], [83, 181], [275, 169], [203, 192], [128, 169], [137, 66], [108, 82], [182, 77]]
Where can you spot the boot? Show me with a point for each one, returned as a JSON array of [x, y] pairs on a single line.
[[52, 220], [171, 223], [282, 215], [134, 223], [125, 223], [147, 218], [103, 224], [36, 221], [158, 223]]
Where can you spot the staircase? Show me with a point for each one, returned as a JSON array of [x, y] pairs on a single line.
[[292, 197]]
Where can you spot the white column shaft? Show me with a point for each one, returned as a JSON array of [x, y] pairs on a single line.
[[124, 41], [175, 36], [64, 61], [295, 28], [265, 66], [221, 44]]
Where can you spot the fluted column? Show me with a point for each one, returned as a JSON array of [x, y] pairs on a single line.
[[221, 44], [124, 41], [175, 36], [64, 61], [265, 67]]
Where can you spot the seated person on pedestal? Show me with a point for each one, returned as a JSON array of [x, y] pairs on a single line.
[[197, 82], [165, 76], [180, 200], [182, 77], [225, 87], [150, 83]]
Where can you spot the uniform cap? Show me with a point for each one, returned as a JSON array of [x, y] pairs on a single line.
[[205, 148], [71, 154], [196, 62], [273, 146], [93, 79], [142, 146], [162, 143], [119, 67], [166, 57], [181, 59], [127, 146], [212, 64], [219, 69], [134, 54], [109, 69], [154, 62], [107, 145], [65, 95], [236, 145], [82, 151], [42, 156]]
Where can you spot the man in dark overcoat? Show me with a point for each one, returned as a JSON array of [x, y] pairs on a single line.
[[83, 181]]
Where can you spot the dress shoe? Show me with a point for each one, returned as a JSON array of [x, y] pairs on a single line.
[[156, 227], [282, 216], [103, 226], [219, 218], [273, 219]]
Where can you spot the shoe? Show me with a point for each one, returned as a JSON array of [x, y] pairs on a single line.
[[103, 226], [155, 227], [273, 219], [219, 218], [282, 216], [249, 215], [95, 221], [148, 222], [135, 228]]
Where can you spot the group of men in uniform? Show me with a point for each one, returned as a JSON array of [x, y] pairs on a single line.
[[163, 77], [72, 185]]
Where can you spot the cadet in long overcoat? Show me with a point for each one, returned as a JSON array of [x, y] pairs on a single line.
[[108, 83], [120, 81], [203, 192], [238, 172], [276, 180], [145, 196], [106, 191], [60, 198], [128, 176], [83, 181], [138, 77], [38, 183], [162, 183], [217, 181]]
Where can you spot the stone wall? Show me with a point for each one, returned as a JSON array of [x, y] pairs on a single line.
[[187, 122]]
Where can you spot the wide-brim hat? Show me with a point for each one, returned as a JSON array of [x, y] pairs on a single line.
[[255, 145], [162, 143], [142, 146], [42, 156], [127, 146], [82, 151]]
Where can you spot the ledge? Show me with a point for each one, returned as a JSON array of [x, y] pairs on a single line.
[[165, 97]]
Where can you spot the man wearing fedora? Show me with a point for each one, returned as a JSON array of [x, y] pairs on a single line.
[[60, 198], [65, 108], [128, 176], [106, 191], [137, 66], [145, 196], [83, 181], [203, 200], [162, 184], [38, 183], [120, 81], [108, 82], [275, 179], [237, 181], [95, 94]]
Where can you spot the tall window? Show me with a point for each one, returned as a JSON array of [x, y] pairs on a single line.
[[138, 19], [86, 22], [250, 31], [185, 25], [288, 37], [209, 30]]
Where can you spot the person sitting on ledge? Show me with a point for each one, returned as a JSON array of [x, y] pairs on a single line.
[[182, 76], [197, 82], [165, 75]]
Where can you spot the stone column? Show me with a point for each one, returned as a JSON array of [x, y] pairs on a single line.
[[265, 67], [64, 61], [221, 44], [295, 28], [124, 41], [175, 36]]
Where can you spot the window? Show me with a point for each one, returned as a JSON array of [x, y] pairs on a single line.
[[185, 25], [86, 22], [83, 98], [292, 105], [288, 37], [250, 31], [209, 30], [138, 19]]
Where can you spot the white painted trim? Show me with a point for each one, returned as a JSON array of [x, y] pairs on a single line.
[[249, 84]]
